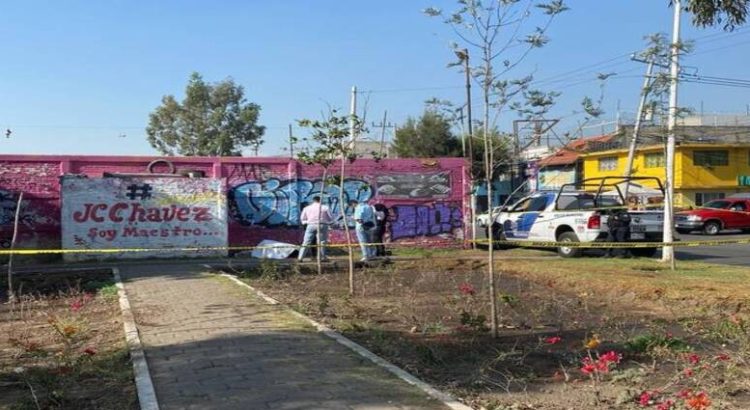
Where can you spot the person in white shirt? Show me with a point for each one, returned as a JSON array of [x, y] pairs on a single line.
[[315, 216]]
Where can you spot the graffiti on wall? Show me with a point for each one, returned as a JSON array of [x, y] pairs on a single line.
[[411, 221], [31, 216], [275, 202], [414, 185], [155, 213]]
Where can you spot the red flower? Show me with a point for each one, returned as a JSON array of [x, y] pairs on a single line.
[[588, 366], [667, 405], [722, 357], [466, 289], [694, 359], [602, 364], [89, 351], [76, 305], [699, 401], [688, 372], [553, 340], [611, 357], [645, 399]]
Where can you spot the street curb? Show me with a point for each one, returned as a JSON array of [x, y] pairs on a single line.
[[143, 383], [445, 398]]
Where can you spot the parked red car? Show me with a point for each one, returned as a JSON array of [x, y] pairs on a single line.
[[715, 216]]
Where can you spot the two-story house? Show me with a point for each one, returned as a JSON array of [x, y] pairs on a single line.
[[710, 161]]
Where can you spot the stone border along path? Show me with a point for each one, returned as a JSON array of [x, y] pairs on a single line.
[[211, 344], [143, 383]]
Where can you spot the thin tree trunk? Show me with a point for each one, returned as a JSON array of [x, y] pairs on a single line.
[[11, 294], [342, 206], [488, 178], [320, 213]]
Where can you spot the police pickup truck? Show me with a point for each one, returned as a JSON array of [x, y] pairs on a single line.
[[578, 213]]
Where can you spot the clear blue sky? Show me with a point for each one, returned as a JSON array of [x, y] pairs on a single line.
[[76, 75]]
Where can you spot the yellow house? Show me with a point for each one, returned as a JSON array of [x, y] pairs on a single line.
[[702, 171]]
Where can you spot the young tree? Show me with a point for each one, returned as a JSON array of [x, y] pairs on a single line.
[[497, 31], [331, 139], [212, 120], [428, 137]]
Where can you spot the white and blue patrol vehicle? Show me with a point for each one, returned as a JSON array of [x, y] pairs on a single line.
[[578, 213]]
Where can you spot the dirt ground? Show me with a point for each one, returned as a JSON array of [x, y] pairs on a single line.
[[680, 339], [62, 345]]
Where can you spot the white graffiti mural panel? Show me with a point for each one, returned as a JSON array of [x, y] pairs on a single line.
[[154, 213]]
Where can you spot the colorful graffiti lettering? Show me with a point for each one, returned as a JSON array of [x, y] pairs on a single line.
[[421, 220], [277, 202]]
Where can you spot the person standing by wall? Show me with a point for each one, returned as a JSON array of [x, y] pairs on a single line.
[[381, 220], [317, 217], [364, 216]]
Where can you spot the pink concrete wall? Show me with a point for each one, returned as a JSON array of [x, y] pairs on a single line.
[[428, 199]]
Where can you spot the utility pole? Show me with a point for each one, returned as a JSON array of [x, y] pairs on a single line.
[[353, 114], [384, 125], [463, 56], [291, 142], [638, 120], [668, 251], [463, 131]]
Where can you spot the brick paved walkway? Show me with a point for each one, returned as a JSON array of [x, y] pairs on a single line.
[[210, 344]]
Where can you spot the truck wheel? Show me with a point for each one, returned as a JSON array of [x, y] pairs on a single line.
[[711, 228], [643, 252], [683, 231], [568, 252]]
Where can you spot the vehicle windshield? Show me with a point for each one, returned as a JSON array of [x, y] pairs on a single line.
[[717, 204]]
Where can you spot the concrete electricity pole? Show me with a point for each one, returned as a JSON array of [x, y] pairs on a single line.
[[291, 142], [463, 56], [674, 70], [353, 113], [638, 121]]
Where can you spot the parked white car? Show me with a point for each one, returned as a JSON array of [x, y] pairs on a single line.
[[576, 213]]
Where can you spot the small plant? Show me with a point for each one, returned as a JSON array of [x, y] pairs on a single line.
[[467, 304], [647, 343], [474, 322], [324, 302], [510, 300], [108, 291]]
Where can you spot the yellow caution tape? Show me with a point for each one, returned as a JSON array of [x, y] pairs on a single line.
[[525, 244]]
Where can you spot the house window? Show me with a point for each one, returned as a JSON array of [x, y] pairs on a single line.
[[714, 158], [654, 160], [608, 164], [705, 197]]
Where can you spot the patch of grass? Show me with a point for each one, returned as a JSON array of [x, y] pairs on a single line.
[[90, 383], [646, 278], [109, 291], [647, 342]]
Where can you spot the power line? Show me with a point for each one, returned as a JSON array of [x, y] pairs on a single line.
[[398, 90]]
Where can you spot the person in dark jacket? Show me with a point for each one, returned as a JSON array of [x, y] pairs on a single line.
[[381, 217], [618, 230]]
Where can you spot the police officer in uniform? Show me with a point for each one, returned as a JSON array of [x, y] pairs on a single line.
[[618, 226]]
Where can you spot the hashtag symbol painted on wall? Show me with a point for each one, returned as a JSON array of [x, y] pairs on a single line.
[[139, 191]]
